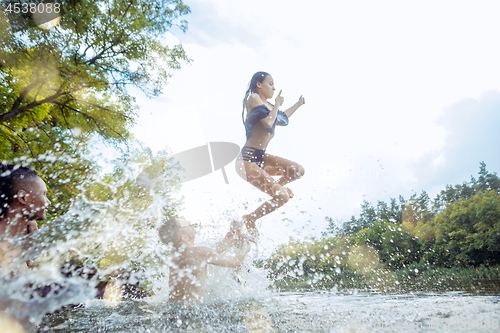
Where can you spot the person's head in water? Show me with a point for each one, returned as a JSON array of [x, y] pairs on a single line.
[[261, 81], [22, 193], [177, 232]]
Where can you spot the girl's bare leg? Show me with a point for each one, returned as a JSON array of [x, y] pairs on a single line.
[[263, 180], [233, 238], [278, 166]]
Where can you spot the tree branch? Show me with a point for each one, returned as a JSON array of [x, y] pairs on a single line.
[[16, 111], [41, 128], [96, 122], [20, 137], [106, 109], [25, 92]]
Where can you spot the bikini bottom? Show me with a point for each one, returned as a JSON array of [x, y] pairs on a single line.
[[252, 154]]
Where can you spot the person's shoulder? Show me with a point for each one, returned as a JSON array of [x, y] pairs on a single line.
[[254, 100]]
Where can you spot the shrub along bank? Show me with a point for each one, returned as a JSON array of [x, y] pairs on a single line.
[[455, 237]]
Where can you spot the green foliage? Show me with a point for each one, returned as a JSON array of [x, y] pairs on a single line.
[[296, 259], [65, 87], [426, 271], [395, 245], [119, 187], [416, 238], [369, 214], [417, 210], [113, 221], [485, 182], [468, 231]]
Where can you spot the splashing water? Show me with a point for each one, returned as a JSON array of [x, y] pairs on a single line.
[[109, 233]]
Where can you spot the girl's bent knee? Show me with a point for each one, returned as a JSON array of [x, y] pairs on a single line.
[[300, 172], [282, 196]]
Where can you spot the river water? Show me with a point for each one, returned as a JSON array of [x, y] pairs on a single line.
[[292, 311], [248, 302]]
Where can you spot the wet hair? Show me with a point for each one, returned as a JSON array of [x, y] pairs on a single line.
[[252, 87], [11, 176], [170, 233]]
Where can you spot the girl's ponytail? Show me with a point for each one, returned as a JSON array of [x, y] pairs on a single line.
[[245, 104], [252, 87]]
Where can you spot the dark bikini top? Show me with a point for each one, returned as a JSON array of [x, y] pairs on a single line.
[[261, 112]]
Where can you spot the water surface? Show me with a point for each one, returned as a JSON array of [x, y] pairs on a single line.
[[292, 311]]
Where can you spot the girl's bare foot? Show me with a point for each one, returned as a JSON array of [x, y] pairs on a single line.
[[236, 227], [235, 230], [290, 193]]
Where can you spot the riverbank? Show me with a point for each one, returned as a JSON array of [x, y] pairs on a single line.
[[480, 280]]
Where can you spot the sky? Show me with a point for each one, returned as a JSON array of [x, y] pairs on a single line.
[[401, 97]]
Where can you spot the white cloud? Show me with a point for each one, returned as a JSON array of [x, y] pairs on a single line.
[[376, 76], [472, 136]]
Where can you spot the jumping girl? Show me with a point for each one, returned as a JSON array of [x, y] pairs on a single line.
[[255, 165]]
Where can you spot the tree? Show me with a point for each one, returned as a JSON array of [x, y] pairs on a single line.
[[121, 186], [64, 86], [416, 211], [297, 259], [396, 246], [368, 215], [486, 182], [468, 231], [332, 229], [350, 227], [393, 213]]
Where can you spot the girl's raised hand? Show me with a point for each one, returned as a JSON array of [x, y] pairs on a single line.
[[279, 100], [302, 100]]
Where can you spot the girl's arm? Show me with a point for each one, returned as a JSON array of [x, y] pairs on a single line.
[[294, 108], [268, 122]]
